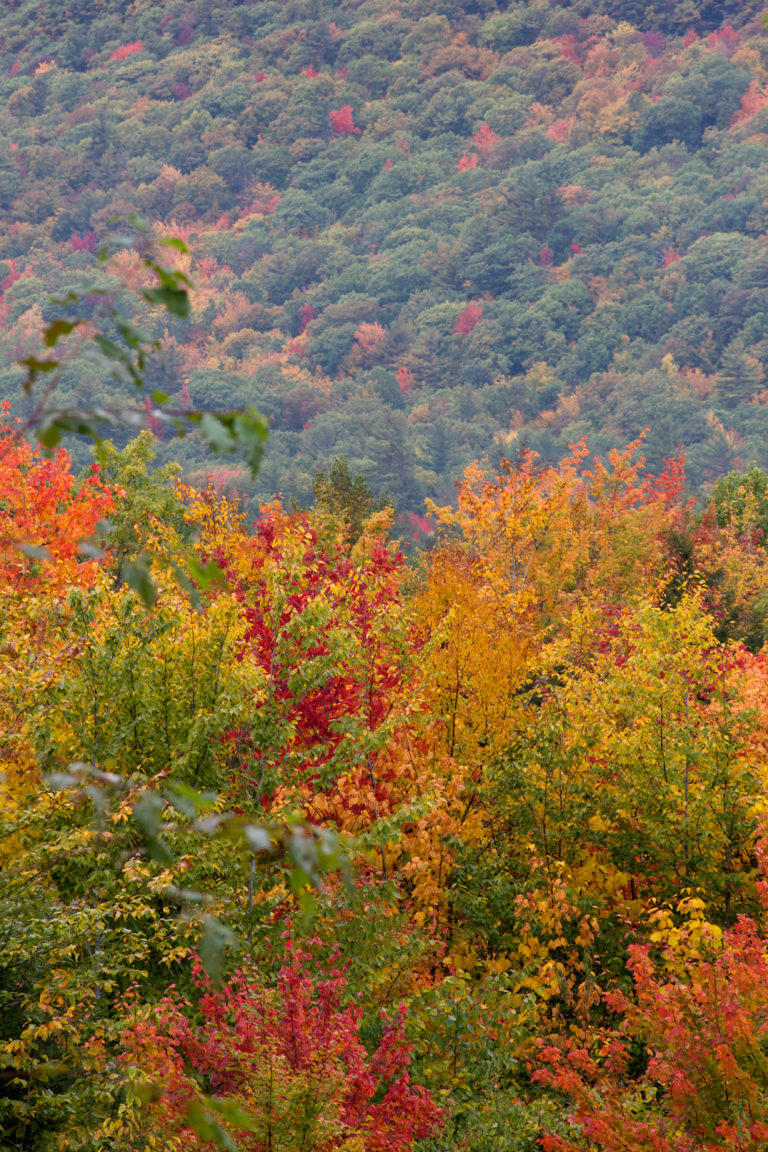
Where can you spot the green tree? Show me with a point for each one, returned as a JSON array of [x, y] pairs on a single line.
[[343, 494]]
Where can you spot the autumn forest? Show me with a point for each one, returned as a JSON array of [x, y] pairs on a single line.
[[383, 576]]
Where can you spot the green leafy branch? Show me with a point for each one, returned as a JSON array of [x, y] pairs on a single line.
[[126, 361], [312, 851]]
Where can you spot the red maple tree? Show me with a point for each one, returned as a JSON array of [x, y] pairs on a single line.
[[290, 1055], [343, 121], [466, 321]]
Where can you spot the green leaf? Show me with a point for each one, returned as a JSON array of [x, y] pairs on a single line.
[[54, 424], [134, 337], [215, 432], [116, 242], [111, 350], [187, 800], [34, 551], [174, 242], [168, 277], [160, 397], [207, 1127], [34, 367], [307, 902], [206, 575], [116, 354], [181, 803], [86, 549], [233, 1113], [50, 435], [148, 812], [228, 431], [298, 879], [147, 1090], [258, 838], [251, 430], [59, 781], [58, 329], [188, 587], [215, 940], [174, 300], [51, 1070], [137, 577]]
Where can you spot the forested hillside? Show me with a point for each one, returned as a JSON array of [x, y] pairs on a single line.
[[419, 231], [305, 847]]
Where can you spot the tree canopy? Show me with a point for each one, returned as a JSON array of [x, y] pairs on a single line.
[[415, 235]]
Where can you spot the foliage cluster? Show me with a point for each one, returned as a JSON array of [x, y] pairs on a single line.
[[544, 750]]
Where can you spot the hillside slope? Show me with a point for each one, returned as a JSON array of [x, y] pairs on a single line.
[[419, 232]]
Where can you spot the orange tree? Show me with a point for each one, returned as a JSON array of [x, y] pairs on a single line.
[[529, 556], [602, 751]]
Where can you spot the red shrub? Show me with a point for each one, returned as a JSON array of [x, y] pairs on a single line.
[[291, 1056]]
